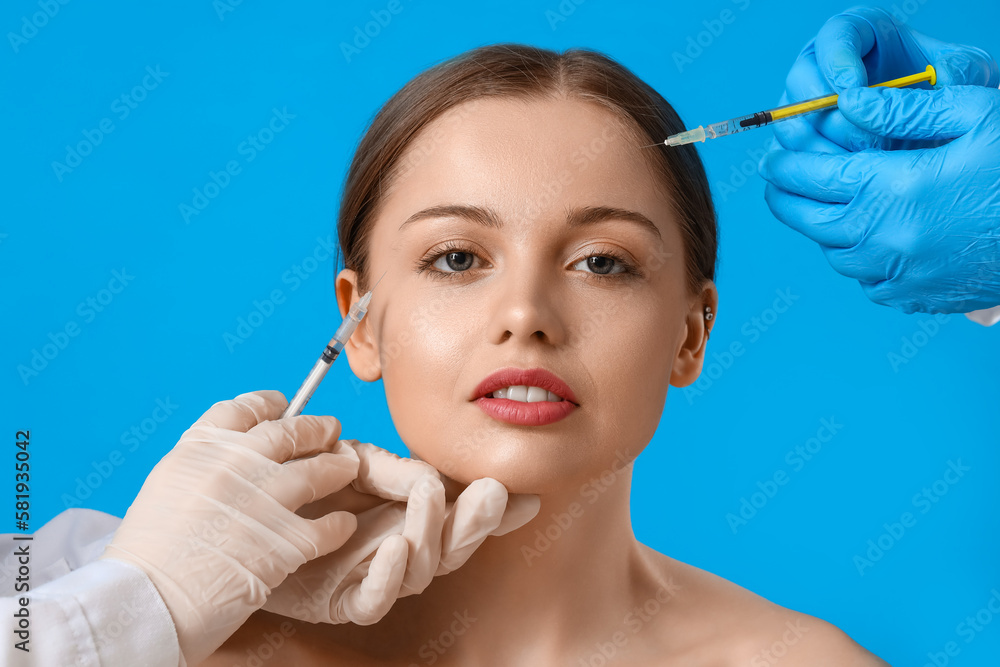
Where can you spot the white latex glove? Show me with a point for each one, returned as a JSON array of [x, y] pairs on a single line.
[[214, 525], [400, 545]]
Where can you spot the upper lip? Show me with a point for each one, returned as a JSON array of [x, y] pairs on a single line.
[[534, 377]]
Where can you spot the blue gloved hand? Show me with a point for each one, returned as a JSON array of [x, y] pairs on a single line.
[[863, 46], [916, 225], [920, 229]]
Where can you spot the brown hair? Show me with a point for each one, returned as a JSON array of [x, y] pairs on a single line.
[[516, 70]]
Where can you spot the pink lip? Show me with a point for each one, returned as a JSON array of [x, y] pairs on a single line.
[[525, 414]]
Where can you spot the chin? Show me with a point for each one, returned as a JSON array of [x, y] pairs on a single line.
[[526, 464]]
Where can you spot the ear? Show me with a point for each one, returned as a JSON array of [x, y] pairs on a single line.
[[361, 349], [691, 351]]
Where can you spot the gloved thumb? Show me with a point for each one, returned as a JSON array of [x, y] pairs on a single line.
[[841, 43], [910, 113]]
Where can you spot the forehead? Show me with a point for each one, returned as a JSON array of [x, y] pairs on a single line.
[[528, 159]]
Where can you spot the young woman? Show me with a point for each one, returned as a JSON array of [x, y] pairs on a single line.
[[548, 275]]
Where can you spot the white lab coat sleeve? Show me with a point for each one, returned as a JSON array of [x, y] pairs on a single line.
[[81, 610], [987, 317]]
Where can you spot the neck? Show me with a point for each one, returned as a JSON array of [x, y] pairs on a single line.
[[571, 573]]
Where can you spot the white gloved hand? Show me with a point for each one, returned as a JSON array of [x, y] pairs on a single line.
[[214, 525], [401, 544]]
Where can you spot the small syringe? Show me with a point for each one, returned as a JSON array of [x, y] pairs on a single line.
[[762, 118], [319, 369]]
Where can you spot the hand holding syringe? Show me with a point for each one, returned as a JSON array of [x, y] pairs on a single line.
[[252, 511], [762, 118]]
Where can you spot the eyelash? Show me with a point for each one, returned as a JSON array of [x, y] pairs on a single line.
[[428, 261]]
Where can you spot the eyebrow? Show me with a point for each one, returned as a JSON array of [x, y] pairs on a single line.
[[577, 217]]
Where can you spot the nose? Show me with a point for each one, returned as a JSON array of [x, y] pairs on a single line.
[[525, 306]]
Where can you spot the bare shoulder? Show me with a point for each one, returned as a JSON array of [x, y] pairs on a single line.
[[726, 624], [797, 639]]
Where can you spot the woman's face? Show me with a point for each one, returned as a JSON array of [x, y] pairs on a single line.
[[514, 238]]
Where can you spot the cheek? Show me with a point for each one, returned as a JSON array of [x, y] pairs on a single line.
[[422, 351], [630, 362], [418, 335]]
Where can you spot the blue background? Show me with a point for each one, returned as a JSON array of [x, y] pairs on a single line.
[[161, 337]]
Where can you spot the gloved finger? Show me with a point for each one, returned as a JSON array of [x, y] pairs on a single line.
[[368, 601], [381, 473], [375, 526], [474, 515], [424, 524], [909, 113], [834, 179], [293, 437], [853, 264], [303, 481], [462, 543], [805, 82], [245, 411], [820, 222], [798, 134], [840, 45], [885, 293], [521, 508], [278, 528], [311, 591], [330, 532]]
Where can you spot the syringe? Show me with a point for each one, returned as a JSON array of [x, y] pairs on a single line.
[[319, 369], [762, 118]]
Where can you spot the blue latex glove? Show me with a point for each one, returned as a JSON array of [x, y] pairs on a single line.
[[919, 228], [862, 46]]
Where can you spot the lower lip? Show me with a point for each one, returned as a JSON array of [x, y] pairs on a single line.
[[525, 414]]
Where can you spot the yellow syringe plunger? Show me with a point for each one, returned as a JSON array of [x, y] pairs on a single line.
[[762, 118], [818, 103]]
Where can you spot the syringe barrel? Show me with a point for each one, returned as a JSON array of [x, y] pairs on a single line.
[[308, 388], [347, 327]]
